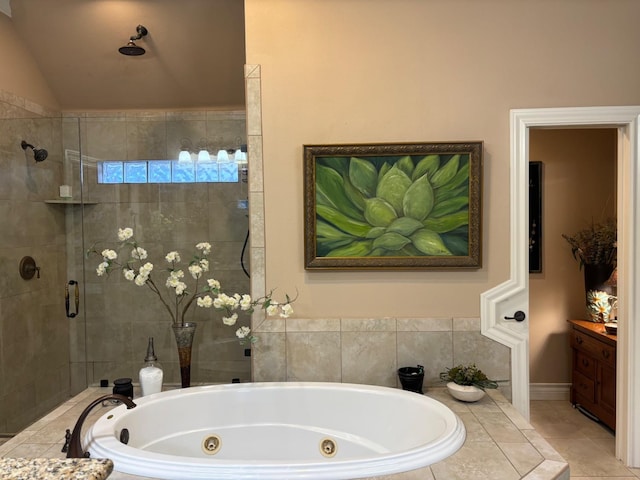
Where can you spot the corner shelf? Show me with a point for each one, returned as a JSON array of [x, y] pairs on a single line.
[[69, 202]]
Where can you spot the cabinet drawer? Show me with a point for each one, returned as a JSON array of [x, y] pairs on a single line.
[[585, 364], [598, 350], [584, 387]]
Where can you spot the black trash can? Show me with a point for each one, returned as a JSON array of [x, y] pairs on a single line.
[[411, 378], [123, 386]]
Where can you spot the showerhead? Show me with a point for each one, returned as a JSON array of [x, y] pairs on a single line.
[[39, 154], [131, 49]]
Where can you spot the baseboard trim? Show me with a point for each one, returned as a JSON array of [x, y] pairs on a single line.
[[549, 391]]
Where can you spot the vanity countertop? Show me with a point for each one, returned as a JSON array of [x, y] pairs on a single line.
[[55, 468]]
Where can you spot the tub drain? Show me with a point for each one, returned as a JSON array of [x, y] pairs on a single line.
[[211, 444], [328, 447]]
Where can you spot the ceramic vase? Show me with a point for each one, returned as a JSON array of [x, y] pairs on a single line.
[[465, 393], [184, 333], [595, 278]]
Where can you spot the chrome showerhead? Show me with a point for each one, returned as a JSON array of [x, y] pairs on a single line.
[[131, 49], [39, 154]]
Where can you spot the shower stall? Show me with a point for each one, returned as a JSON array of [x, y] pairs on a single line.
[[67, 327]]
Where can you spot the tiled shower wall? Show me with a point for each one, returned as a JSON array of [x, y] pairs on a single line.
[[45, 356], [34, 333]]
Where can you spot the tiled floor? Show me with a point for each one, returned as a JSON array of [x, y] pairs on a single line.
[[588, 446]]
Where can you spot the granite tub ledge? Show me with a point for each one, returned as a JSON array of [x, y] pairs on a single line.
[[55, 468]]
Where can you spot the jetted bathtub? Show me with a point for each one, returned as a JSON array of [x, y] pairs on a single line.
[[277, 431]]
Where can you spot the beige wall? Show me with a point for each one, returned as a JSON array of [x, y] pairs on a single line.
[[365, 350], [579, 178], [347, 71], [19, 73]]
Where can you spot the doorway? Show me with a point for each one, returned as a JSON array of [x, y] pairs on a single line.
[[578, 189], [502, 300]]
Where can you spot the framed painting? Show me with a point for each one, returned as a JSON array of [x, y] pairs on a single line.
[[393, 206], [535, 217]]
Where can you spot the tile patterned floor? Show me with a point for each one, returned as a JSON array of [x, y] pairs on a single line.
[[588, 446]]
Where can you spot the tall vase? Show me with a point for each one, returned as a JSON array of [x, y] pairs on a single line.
[[184, 333], [596, 275], [595, 280]]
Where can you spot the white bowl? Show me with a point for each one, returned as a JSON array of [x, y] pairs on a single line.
[[466, 393]]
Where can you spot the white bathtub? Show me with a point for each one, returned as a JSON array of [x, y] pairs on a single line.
[[278, 431]]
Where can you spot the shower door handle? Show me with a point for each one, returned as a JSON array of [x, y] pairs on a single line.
[[77, 298]]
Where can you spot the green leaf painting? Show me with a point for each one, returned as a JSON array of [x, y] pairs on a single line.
[[400, 206]]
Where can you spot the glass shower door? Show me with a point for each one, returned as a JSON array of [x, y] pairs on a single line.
[[41, 348], [129, 176]]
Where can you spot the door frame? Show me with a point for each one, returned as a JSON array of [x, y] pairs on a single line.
[[504, 299]]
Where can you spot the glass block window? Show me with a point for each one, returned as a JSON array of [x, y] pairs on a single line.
[[166, 171], [207, 172], [111, 172], [228, 171], [183, 172], [160, 171], [135, 172]]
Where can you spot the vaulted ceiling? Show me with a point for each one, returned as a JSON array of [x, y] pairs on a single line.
[[194, 56]]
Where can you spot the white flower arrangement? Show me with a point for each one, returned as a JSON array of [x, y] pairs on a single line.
[[178, 297], [599, 304]]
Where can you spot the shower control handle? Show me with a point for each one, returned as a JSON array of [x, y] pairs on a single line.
[[77, 298], [28, 268]]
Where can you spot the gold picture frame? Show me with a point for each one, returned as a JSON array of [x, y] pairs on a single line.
[[393, 206]]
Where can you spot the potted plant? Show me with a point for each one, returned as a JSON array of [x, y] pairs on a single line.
[[467, 382], [595, 249], [595, 245]]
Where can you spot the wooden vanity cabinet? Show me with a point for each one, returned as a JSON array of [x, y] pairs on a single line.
[[593, 353]]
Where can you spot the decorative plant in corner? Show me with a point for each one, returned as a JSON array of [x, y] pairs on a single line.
[[177, 297], [594, 245], [595, 249], [467, 382]]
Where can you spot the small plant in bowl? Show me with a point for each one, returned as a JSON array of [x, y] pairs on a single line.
[[467, 382]]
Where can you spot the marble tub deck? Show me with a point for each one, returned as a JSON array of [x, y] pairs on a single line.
[[500, 444]]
